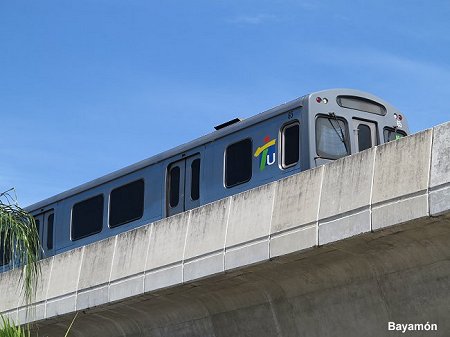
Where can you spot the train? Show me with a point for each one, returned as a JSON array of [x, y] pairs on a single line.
[[239, 155]]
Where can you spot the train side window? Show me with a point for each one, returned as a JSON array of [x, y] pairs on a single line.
[[126, 203], [364, 137], [4, 250], [87, 217], [238, 163], [290, 145], [195, 179], [332, 138], [174, 186], [50, 220], [392, 134]]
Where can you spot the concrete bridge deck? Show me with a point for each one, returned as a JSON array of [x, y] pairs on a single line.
[[340, 250]]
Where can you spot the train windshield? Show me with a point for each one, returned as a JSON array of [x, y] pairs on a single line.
[[331, 138]]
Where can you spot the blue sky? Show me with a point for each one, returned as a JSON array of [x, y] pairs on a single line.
[[88, 87]]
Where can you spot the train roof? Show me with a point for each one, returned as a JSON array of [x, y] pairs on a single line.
[[195, 143]]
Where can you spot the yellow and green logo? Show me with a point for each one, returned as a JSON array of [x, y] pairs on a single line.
[[266, 152]]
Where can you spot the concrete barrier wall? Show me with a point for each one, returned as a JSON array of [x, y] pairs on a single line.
[[391, 184]]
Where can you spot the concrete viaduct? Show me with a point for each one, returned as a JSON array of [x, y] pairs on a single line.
[[339, 250]]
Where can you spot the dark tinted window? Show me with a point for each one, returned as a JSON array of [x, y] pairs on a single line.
[[174, 186], [392, 134], [238, 163], [331, 138], [362, 104], [4, 250], [364, 137], [50, 221], [87, 217], [126, 203], [195, 179], [290, 144]]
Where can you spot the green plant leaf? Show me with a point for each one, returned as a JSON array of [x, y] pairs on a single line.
[[20, 246]]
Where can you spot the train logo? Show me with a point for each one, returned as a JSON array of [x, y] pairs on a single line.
[[266, 153]]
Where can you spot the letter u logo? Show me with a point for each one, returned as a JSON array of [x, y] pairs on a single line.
[[270, 162]]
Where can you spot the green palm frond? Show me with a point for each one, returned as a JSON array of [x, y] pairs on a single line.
[[20, 246]]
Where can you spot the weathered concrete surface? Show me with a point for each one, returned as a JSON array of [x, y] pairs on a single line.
[[440, 170], [340, 250], [351, 288], [401, 180]]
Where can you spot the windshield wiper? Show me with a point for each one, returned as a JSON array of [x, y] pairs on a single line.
[[341, 135]]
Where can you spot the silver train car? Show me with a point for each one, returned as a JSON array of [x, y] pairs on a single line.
[[241, 154]]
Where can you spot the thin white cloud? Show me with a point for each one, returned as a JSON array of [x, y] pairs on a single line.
[[408, 65], [253, 19], [383, 60]]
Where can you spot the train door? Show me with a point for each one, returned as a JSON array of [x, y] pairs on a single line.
[[45, 226], [365, 134], [183, 185]]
